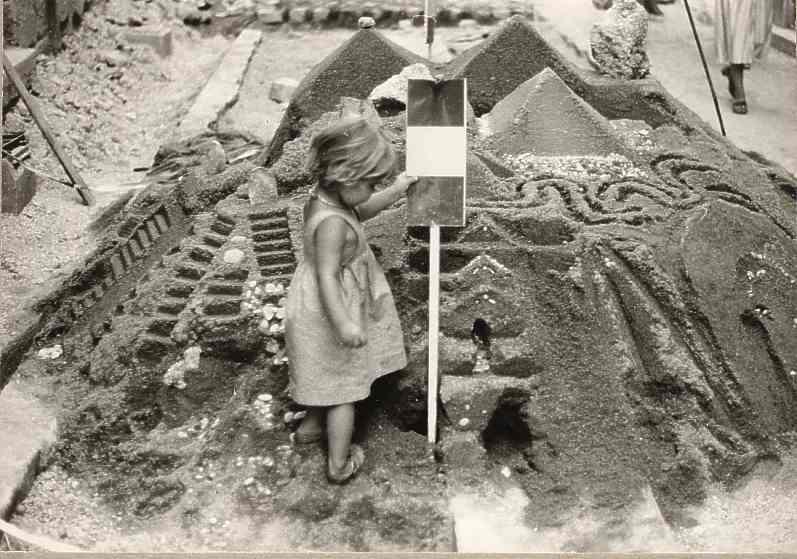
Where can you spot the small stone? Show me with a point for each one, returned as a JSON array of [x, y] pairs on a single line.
[[215, 158], [265, 397], [506, 472], [366, 22], [464, 422], [299, 15], [282, 89], [394, 90], [270, 16], [234, 256], [249, 481], [320, 14]]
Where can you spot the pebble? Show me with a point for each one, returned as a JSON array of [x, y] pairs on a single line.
[[265, 397], [234, 256], [464, 422], [506, 472], [53, 352]]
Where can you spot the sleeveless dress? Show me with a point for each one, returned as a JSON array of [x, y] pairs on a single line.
[[323, 371]]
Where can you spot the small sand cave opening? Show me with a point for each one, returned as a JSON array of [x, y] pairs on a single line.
[[404, 404], [481, 334], [508, 430]]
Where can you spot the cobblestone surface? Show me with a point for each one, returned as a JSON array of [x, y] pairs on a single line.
[[345, 14]]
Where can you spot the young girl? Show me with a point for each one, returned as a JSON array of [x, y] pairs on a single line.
[[342, 329]]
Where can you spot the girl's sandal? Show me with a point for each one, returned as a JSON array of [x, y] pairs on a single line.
[[350, 469], [307, 438]]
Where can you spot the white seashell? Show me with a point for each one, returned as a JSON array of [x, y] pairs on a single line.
[[268, 311]]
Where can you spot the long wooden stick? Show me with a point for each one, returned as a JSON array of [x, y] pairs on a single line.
[[434, 329], [705, 66], [41, 122], [41, 542]]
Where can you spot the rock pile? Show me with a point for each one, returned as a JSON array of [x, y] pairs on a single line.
[[617, 42]]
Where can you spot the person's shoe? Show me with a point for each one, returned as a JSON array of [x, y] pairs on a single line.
[[350, 469], [739, 106], [652, 8]]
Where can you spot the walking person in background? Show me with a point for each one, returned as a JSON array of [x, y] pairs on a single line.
[[742, 30]]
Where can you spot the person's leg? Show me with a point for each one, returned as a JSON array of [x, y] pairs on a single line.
[[652, 7], [311, 427], [340, 426], [736, 88]]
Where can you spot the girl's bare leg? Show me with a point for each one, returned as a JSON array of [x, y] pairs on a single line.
[[312, 422], [340, 426]]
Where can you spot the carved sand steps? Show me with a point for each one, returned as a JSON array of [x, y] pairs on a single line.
[[272, 244], [194, 264]]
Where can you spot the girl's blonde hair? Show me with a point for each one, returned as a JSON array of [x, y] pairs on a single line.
[[350, 150]]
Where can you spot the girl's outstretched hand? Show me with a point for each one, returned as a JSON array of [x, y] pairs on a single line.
[[352, 335], [403, 181]]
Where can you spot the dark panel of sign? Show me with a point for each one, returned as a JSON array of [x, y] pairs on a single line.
[[439, 200], [436, 103]]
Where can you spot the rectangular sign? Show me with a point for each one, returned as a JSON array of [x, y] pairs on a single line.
[[437, 152]]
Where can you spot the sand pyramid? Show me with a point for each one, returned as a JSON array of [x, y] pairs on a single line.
[[512, 55], [544, 116], [354, 69]]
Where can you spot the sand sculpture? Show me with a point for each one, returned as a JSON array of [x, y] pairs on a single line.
[[617, 321]]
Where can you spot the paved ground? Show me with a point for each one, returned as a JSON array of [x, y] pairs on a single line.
[[770, 128]]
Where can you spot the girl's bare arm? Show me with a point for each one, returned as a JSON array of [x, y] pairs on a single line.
[[385, 198], [330, 240]]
